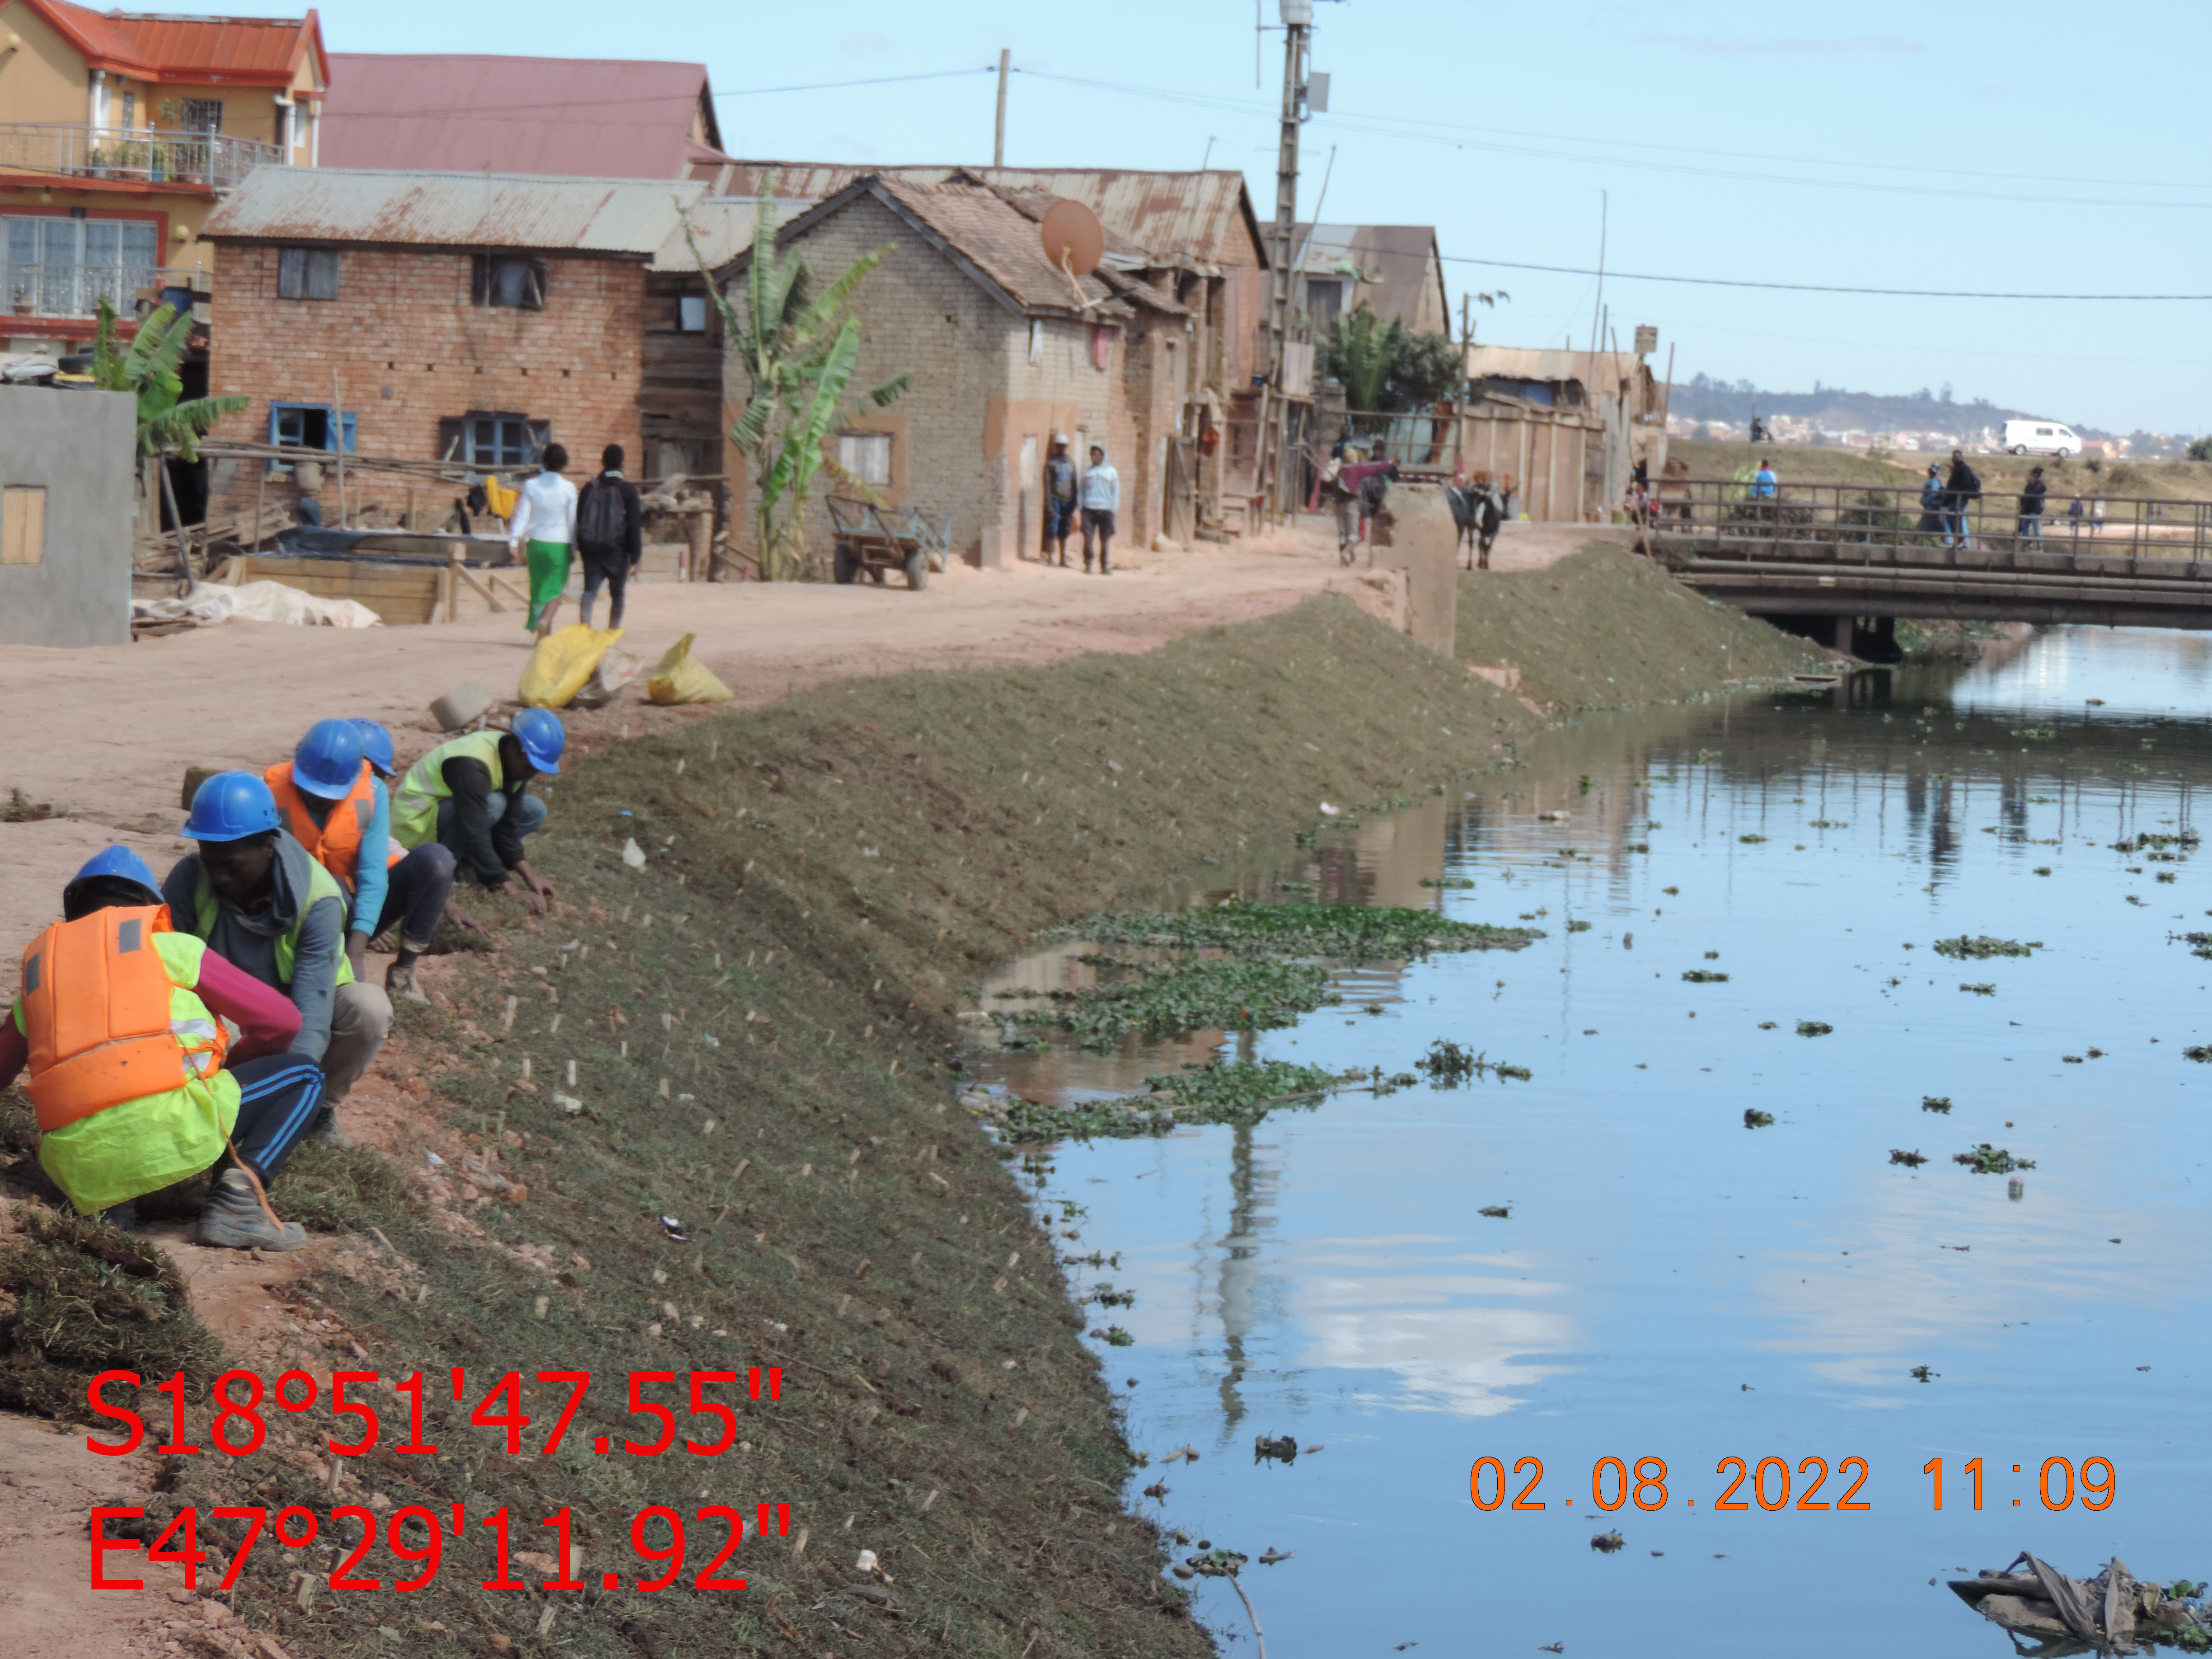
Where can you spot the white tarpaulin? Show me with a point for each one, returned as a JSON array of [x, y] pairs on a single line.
[[269, 602]]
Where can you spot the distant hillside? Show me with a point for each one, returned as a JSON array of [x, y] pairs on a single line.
[[1702, 398]]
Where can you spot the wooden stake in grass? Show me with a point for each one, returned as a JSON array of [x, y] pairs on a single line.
[[506, 1015]]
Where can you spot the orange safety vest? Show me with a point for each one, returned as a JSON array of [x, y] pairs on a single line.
[[335, 843], [96, 1006]]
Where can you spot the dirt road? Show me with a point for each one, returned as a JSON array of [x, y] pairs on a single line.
[[104, 735]]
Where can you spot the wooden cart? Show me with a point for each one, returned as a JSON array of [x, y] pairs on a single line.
[[882, 539]]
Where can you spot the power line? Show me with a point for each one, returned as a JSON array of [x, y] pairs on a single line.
[[1813, 288]]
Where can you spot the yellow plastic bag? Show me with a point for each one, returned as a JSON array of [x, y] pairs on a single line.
[[501, 498], [562, 662], [681, 678]]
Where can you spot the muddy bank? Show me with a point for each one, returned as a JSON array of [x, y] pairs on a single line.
[[752, 1035]]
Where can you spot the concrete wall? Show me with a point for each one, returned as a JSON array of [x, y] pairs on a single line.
[[76, 446]]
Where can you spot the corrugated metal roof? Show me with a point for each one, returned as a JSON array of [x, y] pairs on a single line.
[[723, 227], [455, 209], [157, 47], [560, 115], [981, 229], [1398, 263], [1200, 215], [1593, 369]]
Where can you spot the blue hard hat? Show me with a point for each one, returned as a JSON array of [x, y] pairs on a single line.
[[376, 745], [542, 737], [230, 806], [116, 863], [327, 762]]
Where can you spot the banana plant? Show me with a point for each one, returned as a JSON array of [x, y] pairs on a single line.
[[800, 350], [148, 368]]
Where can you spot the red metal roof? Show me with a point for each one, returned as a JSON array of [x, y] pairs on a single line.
[[197, 50], [591, 118]]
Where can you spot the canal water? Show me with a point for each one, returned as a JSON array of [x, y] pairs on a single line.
[[1668, 1281]]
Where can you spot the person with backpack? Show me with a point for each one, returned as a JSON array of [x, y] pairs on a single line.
[[609, 534], [1931, 505], [1960, 491]]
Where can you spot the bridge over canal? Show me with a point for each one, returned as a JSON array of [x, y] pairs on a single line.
[[1842, 562]]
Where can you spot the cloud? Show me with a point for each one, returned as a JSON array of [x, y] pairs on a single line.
[[864, 42], [1713, 45]]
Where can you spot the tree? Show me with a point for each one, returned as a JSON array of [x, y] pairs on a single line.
[[799, 350], [1429, 368], [147, 369], [1359, 353]]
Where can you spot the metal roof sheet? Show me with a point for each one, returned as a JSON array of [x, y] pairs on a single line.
[[723, 227], [455, 209], [1551, 364], [1201, 215], [158, 47], [1398, 261], [592, 117]]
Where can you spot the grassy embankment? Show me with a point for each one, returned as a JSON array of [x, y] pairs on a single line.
[[759, 1024]]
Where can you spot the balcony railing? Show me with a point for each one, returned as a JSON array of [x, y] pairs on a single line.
[[77, 290], [140, 155]]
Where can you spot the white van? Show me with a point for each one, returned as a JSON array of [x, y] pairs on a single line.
[[2041, 438]]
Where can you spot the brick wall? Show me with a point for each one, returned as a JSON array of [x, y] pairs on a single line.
[[975, 394], [408, 348]]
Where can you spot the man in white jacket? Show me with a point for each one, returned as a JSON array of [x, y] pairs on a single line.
[[1100, 498], [545, 522]]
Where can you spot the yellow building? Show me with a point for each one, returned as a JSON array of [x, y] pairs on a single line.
[[122, 131]]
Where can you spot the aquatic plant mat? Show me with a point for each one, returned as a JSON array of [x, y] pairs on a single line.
[[760, 1021]]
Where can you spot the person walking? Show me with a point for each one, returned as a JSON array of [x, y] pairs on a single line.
[[610, 535], [2097, 514], [1931, 505], [544, 521], [252, 894], [2031, 498], [135, 1081], [1101, 498], [1060, 483], [2074, 516], [1961, 489]]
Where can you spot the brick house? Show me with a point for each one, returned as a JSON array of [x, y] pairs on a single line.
[[1194, 236], [416, 315], [1002, 353]]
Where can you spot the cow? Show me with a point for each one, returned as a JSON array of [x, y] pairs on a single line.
[[1477, 509]]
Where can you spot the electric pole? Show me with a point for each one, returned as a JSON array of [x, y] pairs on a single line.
[[999, 141], [1297, 29]]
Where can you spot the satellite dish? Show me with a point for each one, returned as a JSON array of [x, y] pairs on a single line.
[[1073, 240]]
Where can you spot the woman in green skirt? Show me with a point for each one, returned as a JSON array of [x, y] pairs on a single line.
[[544, 528]]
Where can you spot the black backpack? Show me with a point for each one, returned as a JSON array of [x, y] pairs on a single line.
[[600, 519]]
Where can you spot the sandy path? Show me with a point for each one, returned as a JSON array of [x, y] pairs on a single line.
[[105, 735]]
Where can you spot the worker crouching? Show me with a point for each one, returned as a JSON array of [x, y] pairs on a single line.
[[135, 1084], [255, 898]]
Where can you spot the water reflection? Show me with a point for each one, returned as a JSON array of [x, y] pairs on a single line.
[[1666, 1280]]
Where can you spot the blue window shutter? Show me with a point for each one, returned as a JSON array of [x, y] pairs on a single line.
[[349, 420], [272, 421]]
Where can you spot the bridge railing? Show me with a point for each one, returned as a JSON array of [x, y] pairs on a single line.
[[1724, 517]]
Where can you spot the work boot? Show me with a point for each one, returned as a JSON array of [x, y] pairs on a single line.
[[234, 1219], [123, 1216], [400, 982], [325, 1128]]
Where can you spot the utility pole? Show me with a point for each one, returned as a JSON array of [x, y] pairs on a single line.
[[1297, 29], [999, 141]]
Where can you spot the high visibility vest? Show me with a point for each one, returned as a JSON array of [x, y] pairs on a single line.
[[414, 808], [335, 843], [107, 1020], [321, 884]]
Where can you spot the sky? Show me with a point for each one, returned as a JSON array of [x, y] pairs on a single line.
[[1974, 148]]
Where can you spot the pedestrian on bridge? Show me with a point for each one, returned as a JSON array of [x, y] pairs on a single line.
[[1960, 491], [1931, 503], [2074, 515], [2032, 496]]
